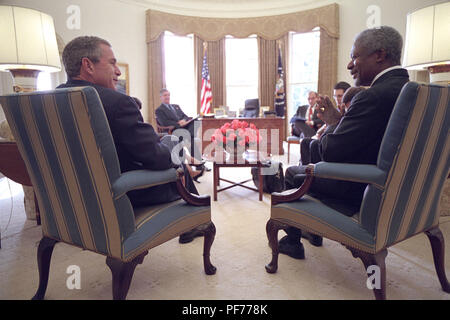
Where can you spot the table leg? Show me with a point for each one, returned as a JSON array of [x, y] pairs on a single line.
[[260, 187], [215, 180]]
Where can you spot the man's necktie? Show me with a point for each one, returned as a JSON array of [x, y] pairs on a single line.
[[171, 107]]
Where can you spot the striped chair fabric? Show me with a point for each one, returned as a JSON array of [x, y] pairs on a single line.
[[66, 143], [404, 187]]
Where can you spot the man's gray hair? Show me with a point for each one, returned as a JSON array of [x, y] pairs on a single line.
[[383, 37], [162, 91], [79, 48]]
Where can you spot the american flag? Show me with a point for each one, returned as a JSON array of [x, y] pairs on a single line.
[[206, 94], [280, 97]]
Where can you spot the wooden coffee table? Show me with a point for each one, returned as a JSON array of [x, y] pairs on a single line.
[[249, 159]]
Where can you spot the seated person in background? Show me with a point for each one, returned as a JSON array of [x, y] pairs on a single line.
[[308, 125], [309, 147], [172, 115], [300, 113], [338, 92], [90, 61], [349, 94], [356, 136]]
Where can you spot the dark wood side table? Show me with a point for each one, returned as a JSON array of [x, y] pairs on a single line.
[[13, 167], [249, 159]]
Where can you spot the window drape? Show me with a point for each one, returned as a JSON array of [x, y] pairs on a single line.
[[156, 78], [216, 65]]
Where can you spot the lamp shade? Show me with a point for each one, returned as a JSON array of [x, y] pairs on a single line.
[[427, 37], [28, 40]]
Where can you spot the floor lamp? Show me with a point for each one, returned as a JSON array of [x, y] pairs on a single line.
[[427, 45], [28, 46]]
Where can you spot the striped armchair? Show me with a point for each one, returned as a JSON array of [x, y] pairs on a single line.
[[403, 189], [66, 143]]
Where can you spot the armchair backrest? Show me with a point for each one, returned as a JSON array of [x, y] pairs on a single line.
[[65, 140], [163, 129], [415, 154]]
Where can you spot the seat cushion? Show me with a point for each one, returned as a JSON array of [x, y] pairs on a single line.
[[159, 223], [312, 215], [293, 139]]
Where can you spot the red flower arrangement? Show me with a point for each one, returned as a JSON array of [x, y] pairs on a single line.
[[237, 133]]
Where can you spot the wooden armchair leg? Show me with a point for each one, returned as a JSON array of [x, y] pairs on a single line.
[[209, 233], [122, 273], [377, 259], [44, 255], [438, 247], [272, 228]]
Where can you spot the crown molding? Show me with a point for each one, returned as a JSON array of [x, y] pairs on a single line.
[[228, 8]]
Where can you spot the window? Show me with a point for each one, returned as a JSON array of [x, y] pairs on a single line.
[[304, 68], [241, 71], [180, 75]]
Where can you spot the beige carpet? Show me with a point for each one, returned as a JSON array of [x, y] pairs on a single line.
[[240, 251]]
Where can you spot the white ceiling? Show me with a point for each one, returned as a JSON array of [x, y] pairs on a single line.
[[229, 8]]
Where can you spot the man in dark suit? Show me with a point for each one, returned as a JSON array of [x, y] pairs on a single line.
[[356, 136], [90, 61], [305, 123], [168, 114]]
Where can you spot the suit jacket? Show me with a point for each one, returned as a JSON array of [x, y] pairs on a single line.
[[138, 145], [301, 111], [167, 117], [317, 122], [297, 128], [357, 137]]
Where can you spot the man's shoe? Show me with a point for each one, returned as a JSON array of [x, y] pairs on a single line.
[[198, 175], [293, 250], [189, 236], [314, 239]]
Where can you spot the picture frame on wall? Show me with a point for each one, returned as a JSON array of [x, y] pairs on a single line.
[[123, 85]]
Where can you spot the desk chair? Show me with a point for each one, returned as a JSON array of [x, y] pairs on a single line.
[[251, 109], [66, 143], [403, 192]]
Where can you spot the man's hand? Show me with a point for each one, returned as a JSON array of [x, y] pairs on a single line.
[[326, 111], [182, 122]]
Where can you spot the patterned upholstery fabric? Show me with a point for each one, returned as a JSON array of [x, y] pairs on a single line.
[[404, 188], [68, 148], [417, 157]]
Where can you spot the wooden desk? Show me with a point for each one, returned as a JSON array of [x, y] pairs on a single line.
[[270, 124]]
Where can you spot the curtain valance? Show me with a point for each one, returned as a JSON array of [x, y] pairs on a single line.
[[268, 27]]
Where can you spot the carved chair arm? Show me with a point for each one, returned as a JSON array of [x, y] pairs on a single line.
[[295, 194]]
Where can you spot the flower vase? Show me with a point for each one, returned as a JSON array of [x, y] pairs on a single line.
[[236, 153]]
